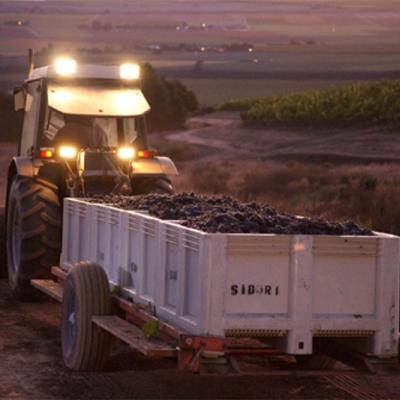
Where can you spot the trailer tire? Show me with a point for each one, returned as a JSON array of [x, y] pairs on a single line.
[[316, 361], [85, 346], [33, 235]]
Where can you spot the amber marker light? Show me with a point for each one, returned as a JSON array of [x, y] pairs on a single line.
[[46, 152], [146, 154]]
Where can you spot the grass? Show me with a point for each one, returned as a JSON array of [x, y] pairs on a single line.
[[368, 195], [366, 103]]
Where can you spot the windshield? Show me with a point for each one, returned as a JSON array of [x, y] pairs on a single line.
[[97, 100], [83, 131]]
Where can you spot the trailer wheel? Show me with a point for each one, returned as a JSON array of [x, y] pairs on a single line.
[[33, 235], [316, 361], [85, 346]]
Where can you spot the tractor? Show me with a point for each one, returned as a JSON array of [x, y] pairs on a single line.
[[83, 134]]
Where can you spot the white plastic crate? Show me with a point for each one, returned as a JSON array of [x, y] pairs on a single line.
[[124, 243], [290, 288]]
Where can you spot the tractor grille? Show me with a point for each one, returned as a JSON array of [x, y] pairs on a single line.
[[100, 164]]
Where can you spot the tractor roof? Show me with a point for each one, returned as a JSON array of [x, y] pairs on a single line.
[[83, 71]]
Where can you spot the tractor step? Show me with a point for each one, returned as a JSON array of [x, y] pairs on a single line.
[[49, 287], [134, 337]]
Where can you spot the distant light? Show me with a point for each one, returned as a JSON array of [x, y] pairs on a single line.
[[203, 49], [65, 66], [129, 72], [250, 49], [19, 23], [204, 25], [178, 28]]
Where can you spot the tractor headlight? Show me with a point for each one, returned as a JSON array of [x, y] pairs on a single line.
[[126, 153], [65, 66], [67, 152], [129, 72]]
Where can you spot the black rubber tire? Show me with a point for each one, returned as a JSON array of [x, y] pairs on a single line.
[[161, 186], [316, 361], [85, 346], [33, 206], [3, 257]]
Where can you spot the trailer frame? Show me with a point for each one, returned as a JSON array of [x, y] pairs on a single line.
[[129, 318]]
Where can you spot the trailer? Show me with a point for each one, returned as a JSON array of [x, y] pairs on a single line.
[[171, 291]]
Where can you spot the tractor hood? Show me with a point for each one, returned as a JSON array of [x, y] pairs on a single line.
[[97, 100]]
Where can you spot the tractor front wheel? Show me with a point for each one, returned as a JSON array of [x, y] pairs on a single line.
[[33, 237]]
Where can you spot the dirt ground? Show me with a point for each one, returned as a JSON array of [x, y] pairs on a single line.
[[221, 136], [31, 368], [30, 355]]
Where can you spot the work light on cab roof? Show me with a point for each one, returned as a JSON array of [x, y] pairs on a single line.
[[68, 67], [65, 66], [129, 72]]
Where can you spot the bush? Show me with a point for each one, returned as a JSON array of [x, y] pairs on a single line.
[[170, 101], [212, 178], [368, 195], [366, 103]]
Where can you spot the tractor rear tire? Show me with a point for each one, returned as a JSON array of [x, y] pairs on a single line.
[[160, 186], [3, 257], [33, 236], [316, 361], [85, 346]]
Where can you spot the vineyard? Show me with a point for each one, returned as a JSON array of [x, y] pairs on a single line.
[[364, 104]]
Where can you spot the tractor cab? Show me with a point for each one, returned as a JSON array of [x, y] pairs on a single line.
[[88, 121], [83, 134]]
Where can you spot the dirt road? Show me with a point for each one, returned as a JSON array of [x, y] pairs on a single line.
[[31, 368], [222, 137]]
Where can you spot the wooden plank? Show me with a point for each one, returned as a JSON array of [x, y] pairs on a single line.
[[134, 337], [59, 273], [140, 316], [49, 287]]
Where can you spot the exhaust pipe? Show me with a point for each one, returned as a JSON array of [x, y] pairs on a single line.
[[30, 62]]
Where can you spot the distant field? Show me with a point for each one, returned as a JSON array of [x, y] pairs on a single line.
[[214, 92], [294, 35]]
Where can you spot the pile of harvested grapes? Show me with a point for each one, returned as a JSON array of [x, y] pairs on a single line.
[[227, 215]]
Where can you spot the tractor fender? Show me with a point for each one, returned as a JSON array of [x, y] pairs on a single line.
[[19, 166], [23, 166], [154, 166]]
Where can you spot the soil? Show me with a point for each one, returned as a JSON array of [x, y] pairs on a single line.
[[221, 136], [31, 368], [223, 214]]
